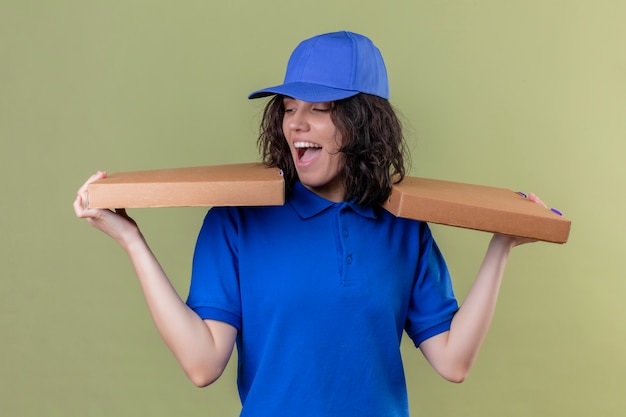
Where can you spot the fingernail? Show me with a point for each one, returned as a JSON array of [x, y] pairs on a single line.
[[522, 194], [556, 211]]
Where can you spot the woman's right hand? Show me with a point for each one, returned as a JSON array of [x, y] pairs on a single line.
[[116, 224]]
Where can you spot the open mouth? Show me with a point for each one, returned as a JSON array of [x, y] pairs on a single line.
[[307, 151]]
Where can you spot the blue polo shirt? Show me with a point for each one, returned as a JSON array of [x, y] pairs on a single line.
[[321, 293]]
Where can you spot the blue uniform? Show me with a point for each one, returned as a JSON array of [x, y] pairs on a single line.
[[321, 293]]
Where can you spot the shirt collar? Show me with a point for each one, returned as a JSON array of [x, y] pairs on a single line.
[[308, 204]]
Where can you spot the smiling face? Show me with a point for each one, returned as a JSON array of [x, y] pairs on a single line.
[[315, 145]]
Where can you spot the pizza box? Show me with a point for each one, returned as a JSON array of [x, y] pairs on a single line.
[[479, 207], [251, 184]]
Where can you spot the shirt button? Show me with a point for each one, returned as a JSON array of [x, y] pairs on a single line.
[[345, 233], [349, 259]]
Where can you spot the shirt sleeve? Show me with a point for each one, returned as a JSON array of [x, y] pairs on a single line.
[[214, 288], [433, 303]]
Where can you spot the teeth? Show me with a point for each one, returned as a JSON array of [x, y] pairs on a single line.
[[306, 145]]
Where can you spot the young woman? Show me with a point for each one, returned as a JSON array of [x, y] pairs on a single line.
[[317, 293]]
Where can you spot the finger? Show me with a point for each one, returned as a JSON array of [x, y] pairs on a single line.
[[556, 211], [97, 176], [80, 208], [83, 191], [84, 212], [534, 198], [122, 212]]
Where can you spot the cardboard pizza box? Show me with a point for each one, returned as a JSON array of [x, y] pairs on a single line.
[[251, 184], [489, 209], [478, 207]]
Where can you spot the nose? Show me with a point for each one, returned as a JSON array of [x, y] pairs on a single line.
[[297, 120]]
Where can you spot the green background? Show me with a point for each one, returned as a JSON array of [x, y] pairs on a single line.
[[528, 95]]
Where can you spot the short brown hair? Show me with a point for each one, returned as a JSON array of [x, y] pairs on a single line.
[[373, 145]]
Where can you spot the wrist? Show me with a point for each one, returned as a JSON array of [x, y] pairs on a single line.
[[503, 242], [132, 239]]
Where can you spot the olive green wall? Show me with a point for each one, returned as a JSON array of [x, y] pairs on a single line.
[[529, 95]]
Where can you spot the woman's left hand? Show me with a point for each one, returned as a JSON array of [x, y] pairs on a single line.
[[517, 240]]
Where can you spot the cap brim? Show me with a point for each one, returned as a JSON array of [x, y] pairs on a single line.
[[313, 93]]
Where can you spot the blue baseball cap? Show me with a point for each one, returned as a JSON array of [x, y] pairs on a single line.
[[332, 67]]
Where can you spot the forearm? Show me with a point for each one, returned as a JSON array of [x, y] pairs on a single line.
[[471, 323], [201, 347], [201, 353], [453, 353]]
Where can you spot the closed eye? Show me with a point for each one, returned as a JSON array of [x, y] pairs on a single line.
[[322, 107]]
